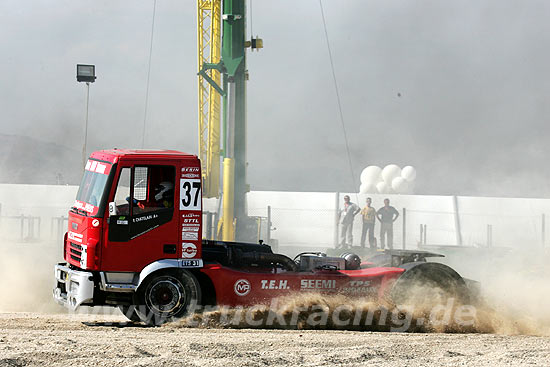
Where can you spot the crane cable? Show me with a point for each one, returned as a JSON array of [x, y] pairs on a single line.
[[338, 97], [148, 75]]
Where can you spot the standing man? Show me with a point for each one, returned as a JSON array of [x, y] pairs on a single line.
[[369, 219], [346, 216], [387, 215]]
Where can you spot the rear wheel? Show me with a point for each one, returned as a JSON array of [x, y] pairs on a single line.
[[166, 296], [429, 284]]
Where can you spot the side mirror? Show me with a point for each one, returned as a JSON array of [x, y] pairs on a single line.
[[112, 209]]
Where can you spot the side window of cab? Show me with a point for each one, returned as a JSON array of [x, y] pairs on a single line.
[[144, 200]]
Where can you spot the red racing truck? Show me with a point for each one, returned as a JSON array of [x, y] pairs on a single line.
[[134, 241]]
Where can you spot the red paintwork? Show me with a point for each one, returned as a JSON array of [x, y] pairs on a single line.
[[86, 233], [263, 287], [232, 287], [113, 155]]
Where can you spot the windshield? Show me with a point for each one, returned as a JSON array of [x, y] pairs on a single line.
[[92, 187]]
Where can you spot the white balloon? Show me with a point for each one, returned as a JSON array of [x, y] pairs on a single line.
[[371, 174], [390, 172], [382, 188], [368, 188], [399, 185], [408, 173]]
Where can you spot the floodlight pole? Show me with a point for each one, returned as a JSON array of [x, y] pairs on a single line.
[[84, 155], [85, 73]]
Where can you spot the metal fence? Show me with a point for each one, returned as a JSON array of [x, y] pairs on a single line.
[[311, 227], [413, 228], [21, 224]]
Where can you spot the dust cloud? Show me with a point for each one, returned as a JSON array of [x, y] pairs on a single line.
[[514, 292], [26, 276], [334, 312], [515, 289]]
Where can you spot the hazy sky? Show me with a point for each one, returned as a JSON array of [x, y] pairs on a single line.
[[473, 78]]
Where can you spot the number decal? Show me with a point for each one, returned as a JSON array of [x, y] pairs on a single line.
[[186, 190], [190, 194], [197, 187]]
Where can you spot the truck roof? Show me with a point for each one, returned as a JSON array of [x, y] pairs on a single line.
[[113, 155]]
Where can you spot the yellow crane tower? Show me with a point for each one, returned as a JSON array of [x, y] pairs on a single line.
[[209, 49]]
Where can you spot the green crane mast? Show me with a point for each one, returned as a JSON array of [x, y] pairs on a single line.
[[235, 223]]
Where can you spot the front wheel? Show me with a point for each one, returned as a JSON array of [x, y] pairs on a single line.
[[129, 312], [166, 296]]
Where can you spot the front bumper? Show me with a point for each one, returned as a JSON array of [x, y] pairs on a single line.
[[74, 288]]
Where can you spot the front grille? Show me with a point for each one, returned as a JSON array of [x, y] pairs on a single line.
[[75, 258], [75, 251], [78, 247]]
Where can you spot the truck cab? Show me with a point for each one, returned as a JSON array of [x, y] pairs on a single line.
[[134, 208]]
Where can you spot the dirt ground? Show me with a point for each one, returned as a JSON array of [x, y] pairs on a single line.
[[36, 332], [33, 339]]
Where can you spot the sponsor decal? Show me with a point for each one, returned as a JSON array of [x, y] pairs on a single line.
[[190, 169], [88, 208], [74, 225], [189, 225], [190, 175], [189, 235], [359, 283], [190, 172], [84, 257], [188, 250], [194, 221], [195, 263], [362, 287], [318, 284], [273, 284], [97, 167], [144, 218], [242, 287], [95, 222], [147, 230], [100, 168], [190, 229], [122, 222], [75, 236]]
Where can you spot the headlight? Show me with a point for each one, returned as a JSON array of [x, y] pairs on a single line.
[[74, 287]]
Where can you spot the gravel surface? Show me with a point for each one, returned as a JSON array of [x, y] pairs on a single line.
[[33, 339], [45, 335]]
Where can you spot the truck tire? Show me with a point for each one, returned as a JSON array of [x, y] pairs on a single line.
[[167, 295], [427, 283], [129, 312]]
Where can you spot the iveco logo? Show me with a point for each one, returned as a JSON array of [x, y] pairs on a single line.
[[74, 225]]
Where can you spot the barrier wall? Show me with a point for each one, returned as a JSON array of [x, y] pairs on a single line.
[[309, 218]]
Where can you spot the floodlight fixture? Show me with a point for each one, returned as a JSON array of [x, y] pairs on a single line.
[[85, 73]]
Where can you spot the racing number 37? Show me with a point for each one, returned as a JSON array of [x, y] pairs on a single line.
[[190, 194]]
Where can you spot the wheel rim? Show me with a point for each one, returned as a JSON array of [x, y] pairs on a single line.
[[165, 297]]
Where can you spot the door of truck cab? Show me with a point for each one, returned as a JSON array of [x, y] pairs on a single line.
[[145, 225]]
